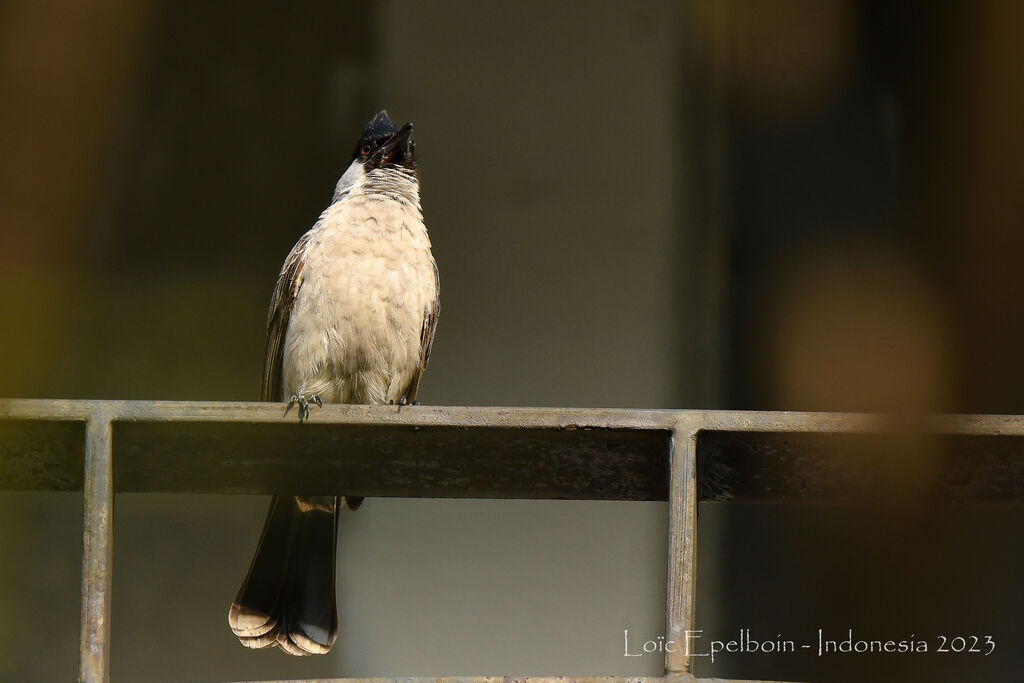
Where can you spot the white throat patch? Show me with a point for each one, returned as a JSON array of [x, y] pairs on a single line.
[[352, 178]]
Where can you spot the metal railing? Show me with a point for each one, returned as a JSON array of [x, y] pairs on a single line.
[[682, 456]]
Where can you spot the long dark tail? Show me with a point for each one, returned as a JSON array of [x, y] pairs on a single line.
[[287, 599]]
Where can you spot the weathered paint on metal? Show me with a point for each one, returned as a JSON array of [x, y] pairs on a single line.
[[97, 551], [581, 462], [38, 455], [682, 678], [685, 456], [682, 547], [483, 679]]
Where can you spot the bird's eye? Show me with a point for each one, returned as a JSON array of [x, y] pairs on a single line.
[[365, 151]]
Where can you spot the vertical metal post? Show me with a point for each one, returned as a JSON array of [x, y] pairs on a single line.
[[94, 665], [682, 549]]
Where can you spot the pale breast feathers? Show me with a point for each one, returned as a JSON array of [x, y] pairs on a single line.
[[360, 329]]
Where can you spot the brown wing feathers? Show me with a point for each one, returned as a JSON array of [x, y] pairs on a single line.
[[287, 599], [281, 303]]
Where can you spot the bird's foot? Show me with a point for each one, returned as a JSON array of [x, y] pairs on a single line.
[[303, 402], [402, 402]]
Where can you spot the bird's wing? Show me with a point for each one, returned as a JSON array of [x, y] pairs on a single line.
[[430, 314], [281, 302]]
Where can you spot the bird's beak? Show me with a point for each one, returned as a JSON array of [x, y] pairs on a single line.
[[398, 147]]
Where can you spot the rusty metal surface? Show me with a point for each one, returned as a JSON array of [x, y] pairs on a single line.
[[680, 612], [97, 551], [682, 456], [579, 463], [364, 450], [510, 453], [681, 678], [781, 467], [38, 455], [190, 411], [488, 679]]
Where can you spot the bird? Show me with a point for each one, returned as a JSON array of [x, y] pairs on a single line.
[[352, 320]]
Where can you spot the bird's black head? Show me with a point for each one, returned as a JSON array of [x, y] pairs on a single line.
[[385, 145]]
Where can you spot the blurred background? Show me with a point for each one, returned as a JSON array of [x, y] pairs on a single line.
[[789, 204]]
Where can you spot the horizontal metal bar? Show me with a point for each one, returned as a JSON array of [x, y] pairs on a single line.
[[682, 678], [42, 455], [571, 453], [465, 416], [852, 423], [489, 679], [577, 462], [822, 467], [457, 416], [358, 450]]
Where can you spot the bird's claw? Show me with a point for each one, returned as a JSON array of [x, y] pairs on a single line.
[[303, 403]]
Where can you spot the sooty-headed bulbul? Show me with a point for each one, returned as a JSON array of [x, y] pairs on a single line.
[[351, 320]]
